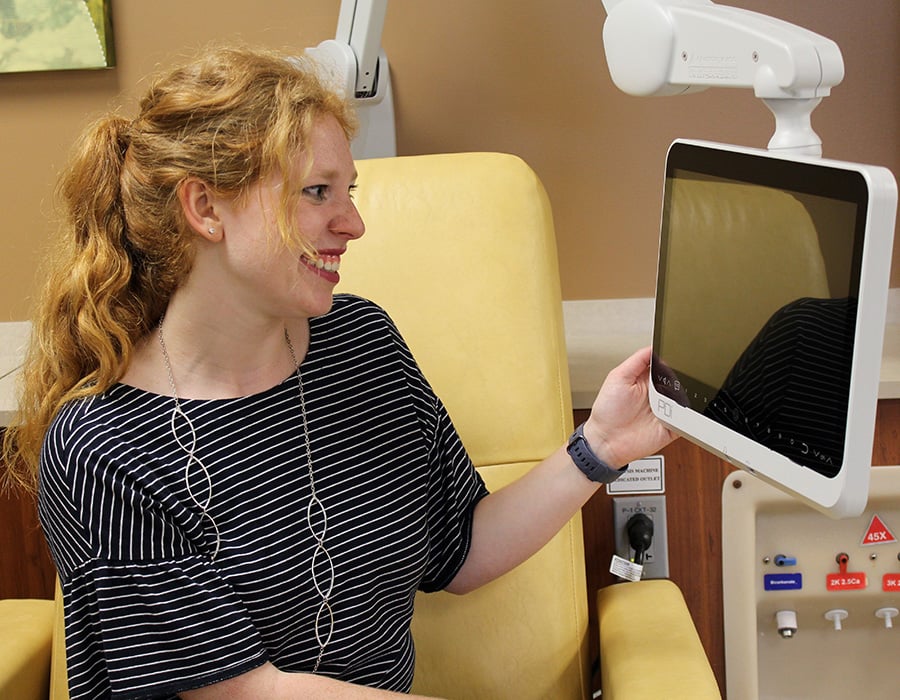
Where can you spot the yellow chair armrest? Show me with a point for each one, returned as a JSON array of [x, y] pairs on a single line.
[[26, 628], [649, 647]]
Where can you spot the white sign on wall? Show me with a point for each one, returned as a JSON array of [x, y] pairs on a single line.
[[643, 476]]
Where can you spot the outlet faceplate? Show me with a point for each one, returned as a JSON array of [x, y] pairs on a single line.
[[656, 559]]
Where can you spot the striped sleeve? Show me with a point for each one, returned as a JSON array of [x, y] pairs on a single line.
[[158, 622]]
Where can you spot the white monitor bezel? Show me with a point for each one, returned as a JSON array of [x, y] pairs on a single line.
[[845, 494]]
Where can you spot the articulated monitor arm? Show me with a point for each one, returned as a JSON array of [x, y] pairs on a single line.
[[669, 47], [357, 68]]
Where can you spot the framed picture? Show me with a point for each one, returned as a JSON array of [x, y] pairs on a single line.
[[41, 35]]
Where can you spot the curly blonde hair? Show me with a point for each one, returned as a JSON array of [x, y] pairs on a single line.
[[230, 118]]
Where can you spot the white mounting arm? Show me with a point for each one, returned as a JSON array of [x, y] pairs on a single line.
[[357, 68], [669, 47], [360, 24]]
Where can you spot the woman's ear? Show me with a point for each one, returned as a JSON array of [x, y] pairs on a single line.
[[198, 204]]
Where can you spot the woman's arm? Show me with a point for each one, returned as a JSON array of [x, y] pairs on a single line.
[[513, 523], [268, 682]]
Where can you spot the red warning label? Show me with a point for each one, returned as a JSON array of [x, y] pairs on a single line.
[[877, 533], [890, 583], [846, 581]]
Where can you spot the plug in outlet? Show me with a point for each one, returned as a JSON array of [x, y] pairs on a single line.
[[656, 558]]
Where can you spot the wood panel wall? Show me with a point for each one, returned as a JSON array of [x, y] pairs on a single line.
[[26, 570], [694, 511]]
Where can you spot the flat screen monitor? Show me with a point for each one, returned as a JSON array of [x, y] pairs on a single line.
[[769, 319]]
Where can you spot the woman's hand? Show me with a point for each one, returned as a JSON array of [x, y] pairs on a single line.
[[621, 427]]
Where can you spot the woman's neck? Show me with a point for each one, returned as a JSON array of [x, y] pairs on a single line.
[[210, 358]]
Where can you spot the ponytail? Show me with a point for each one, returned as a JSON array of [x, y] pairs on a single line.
[[89, 315]]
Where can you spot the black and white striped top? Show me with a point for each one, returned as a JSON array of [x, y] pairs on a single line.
[[150, 613]]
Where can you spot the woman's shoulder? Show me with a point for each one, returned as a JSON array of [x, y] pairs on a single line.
[[103, 415]]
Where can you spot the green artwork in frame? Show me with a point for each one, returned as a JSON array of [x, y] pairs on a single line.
[[39, 35]]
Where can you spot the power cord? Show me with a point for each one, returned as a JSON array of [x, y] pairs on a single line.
[[640, 535]]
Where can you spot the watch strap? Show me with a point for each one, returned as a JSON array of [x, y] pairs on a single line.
[[590, 464]]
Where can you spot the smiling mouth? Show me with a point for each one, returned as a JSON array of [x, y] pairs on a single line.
[[331, 263], [325, 262]]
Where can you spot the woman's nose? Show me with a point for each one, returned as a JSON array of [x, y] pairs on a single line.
[[349, 223]]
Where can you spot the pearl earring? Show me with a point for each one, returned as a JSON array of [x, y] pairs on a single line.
[[211, 230]]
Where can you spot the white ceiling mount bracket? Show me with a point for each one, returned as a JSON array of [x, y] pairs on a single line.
[[671, 47]]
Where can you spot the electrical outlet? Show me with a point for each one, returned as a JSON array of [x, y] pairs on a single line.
[[656, 558]]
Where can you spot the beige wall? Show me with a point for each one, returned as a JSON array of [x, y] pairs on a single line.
[[523, 76]]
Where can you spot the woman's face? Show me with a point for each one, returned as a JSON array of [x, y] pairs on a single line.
[[262, 271]]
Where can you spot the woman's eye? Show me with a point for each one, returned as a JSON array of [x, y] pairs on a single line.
[[316, 192]]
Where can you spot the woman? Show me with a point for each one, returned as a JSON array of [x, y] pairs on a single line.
[[244, 479]]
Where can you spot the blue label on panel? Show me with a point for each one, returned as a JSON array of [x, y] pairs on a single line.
[[783, 582]]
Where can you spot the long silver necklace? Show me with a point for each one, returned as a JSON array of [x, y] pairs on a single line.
[[324, 615], [189, 448], [321, 567]]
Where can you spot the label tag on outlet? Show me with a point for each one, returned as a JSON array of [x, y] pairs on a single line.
[[643, 476], [628, 570]]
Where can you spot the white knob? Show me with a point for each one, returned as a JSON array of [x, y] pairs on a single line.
[[786, 620], [888, 615], [836, 616]]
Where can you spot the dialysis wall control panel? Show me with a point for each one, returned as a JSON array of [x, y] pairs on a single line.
[[811, 603]]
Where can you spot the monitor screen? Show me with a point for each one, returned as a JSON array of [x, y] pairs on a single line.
[[771, 294]]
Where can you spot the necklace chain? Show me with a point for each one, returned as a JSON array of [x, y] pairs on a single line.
[[323, 579], [322, 566], [189, 448]]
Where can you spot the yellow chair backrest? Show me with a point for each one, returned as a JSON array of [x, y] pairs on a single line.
[[460, 250]]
